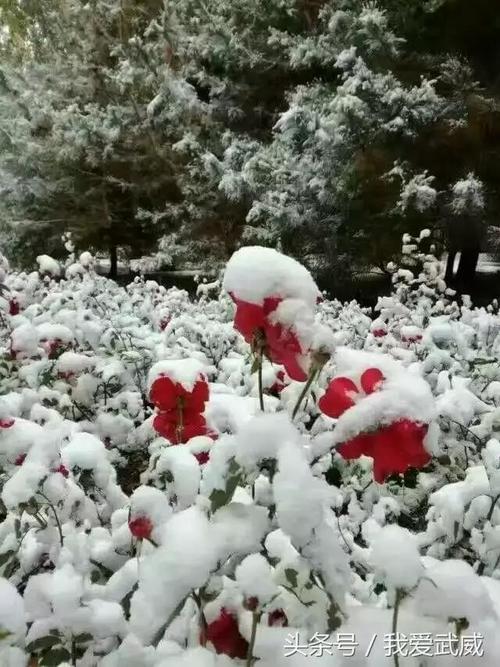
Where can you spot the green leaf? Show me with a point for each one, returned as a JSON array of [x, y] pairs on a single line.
[[291, 576], [101, 573], [334, 617], [126, 600], [84, 637], [221, 497], [255, 365], [11, 567], [4, 634], [54, 657], [43, 643], [6, 556]]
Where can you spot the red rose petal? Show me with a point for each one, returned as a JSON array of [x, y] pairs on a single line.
[[338, 397], [371, 380]]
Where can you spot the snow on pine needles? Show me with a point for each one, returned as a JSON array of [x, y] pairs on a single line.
[[255, 476]]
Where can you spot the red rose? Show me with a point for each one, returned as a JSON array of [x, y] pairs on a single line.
[[282, 345], [141, 527], [379, 333], [180, 415], [341, 392], [63, 470], [202, 457], [224, 635], [8, 422], [14, 307], [20, 459], [168, 395], [339, 397], [171, 427], [393, 448]]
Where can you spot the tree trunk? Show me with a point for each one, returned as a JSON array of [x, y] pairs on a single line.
[[466, 272], [113, 265]]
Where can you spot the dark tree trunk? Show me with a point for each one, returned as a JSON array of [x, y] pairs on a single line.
[[466, 272], [113, 266]]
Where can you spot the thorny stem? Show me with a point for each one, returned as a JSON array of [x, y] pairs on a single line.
[[305, 390], [482, 565], [203, 620], [259, 380], [258, 347], [397, 601], [180, 423], [54, 511], [255, 621]]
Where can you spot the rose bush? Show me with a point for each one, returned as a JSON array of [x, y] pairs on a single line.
[[152, 514]]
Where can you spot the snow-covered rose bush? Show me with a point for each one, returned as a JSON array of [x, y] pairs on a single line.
[[196, 481]]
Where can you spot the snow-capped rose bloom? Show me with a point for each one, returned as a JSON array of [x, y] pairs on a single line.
[[411, 334], [393, 448], [379, 333], [180, 415], [275, 298], [259, 327], [342, 392], [7, 422], [141, 527], [14, 307], [20, 458], [202, 457], [224, 635], [164, 322], [62, 470]]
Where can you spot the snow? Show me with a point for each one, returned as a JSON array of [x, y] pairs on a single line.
[[255, 579], [12, 617], [48, 265], [254, 273], [172, 571], [184, 371], [395, 555]]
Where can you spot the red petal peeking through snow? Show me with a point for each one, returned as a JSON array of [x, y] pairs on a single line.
[[141, 527], [371, 380], [338, 397], [224, 635]]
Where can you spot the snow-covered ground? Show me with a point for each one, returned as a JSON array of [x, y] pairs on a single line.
[[256, 476]]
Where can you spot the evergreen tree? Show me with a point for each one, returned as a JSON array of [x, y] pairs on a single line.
[[87, 124]]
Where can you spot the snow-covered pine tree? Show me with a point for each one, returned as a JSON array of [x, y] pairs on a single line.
[[89, 111], [316, 113]]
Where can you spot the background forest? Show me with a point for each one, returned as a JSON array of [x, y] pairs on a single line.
[[180, 130]]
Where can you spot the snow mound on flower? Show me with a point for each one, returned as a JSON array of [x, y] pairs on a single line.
[[402, 395], [169, 574], [254, 273], [255, 578], [184, 371], [74, 362], [395, 555], [47, 264]]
